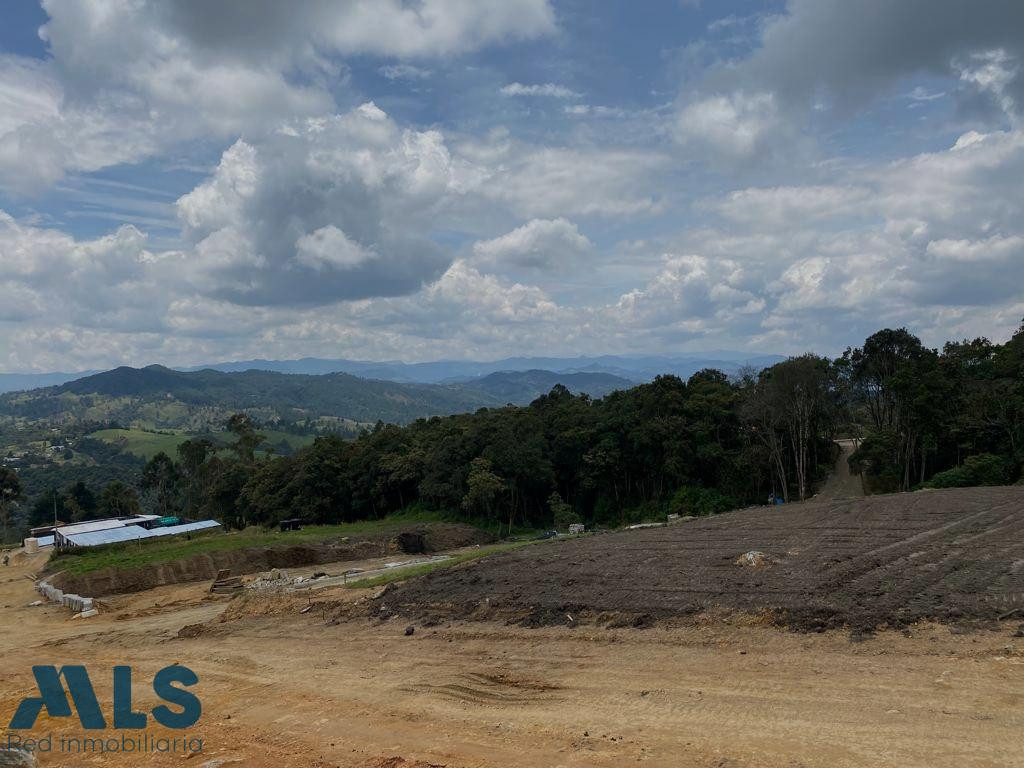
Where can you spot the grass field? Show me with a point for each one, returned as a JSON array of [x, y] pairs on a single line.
[[153, 551], [146, 444], [141, 443]]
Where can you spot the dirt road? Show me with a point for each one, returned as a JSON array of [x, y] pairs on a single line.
[[281, 688], [842, 484]]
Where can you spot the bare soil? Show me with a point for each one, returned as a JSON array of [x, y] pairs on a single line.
[[305, 680], [283, 685], [858, 563]]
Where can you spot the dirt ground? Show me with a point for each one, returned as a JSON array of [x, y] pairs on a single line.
[[284, 688], [859, 563]]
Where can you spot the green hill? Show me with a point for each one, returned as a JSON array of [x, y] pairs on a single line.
[[160, 398]]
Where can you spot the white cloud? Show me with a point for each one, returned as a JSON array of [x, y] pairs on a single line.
[[42, 134], [591, 110], [125, 81], [738, 126], [543, 89], [688, 294], [558, 181], [788, 207], [994, 249], [329, 247], [540, 244], [111, 282], [350, 234], [329, 209], [915, 242]]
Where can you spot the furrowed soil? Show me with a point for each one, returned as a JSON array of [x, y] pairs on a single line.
[[307, 679], [867, 563]]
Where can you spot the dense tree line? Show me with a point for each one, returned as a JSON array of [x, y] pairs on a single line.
[[954, 417], [668, 445], [921, 416]]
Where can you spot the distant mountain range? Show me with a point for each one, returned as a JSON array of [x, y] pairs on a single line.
[[448, 371], [639, 369], [159, 397], [521, 387]]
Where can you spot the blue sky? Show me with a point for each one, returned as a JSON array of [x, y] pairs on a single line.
[[184, 182]]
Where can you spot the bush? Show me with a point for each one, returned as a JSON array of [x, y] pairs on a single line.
[[983, 469], [698, 501], [563, 514]]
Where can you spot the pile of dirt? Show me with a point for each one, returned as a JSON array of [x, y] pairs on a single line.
[[882, 561], [425, 538], [437, 537]]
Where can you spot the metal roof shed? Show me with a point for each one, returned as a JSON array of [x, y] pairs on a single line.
[[63, 536], [134, 533]]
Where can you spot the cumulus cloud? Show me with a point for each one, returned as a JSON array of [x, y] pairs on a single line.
[[126, 80], [111, 282], [787, 268], [329, 247], [688, 293], [971, 189], [737, 127], [540, 244], [327, 231], [327, 209], [914, 241]]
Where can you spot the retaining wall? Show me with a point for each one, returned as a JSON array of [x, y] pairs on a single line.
[[75, 603]]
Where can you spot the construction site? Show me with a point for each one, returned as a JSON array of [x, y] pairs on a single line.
[[878, 631]]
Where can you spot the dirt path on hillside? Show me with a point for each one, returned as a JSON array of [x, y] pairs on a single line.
[[842, 484], [281, 688]]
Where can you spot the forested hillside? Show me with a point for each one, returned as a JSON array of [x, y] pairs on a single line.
[[164, 398], [708, 444], [699, 446]]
